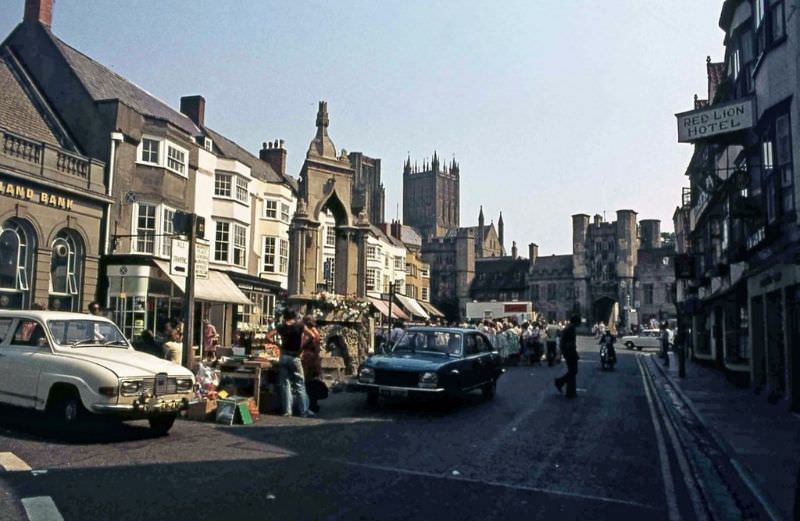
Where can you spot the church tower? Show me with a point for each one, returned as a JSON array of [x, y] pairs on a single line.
[[431, 196]]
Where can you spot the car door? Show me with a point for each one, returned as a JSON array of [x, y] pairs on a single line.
[[471, 374], [20, 361], [489, 358]]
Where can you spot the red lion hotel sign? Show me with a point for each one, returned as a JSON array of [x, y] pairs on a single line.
[[718, 119]]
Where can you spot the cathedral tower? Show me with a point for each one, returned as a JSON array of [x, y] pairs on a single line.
[[431, 196]]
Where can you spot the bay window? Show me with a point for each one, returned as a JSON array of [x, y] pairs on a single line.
[[222, 241], [145, 229]]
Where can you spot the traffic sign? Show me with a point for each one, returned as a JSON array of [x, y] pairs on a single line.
[[201, 253], [179, 261]]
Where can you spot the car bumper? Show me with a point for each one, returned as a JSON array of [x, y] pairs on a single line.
[[390, 390], [142, 409]]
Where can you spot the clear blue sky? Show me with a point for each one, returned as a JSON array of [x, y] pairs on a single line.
[[551, 107]]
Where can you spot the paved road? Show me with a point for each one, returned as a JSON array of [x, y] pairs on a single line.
[[527, 454]]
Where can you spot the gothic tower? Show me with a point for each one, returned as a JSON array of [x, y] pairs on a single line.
[[431, 196]]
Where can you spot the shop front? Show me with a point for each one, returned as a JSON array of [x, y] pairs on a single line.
[[142, 294]]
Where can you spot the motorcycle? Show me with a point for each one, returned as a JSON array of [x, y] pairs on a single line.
[[608, 356]]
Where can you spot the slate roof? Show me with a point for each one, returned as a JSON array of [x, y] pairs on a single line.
[[410, 236], [386, 236], [18, 113], [258, 168], [554, 266], [499, 273], [104, 84]]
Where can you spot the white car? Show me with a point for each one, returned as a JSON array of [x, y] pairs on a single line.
[[645, 338], [72, 365]]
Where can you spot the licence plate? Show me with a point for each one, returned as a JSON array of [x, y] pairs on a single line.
[[160, 387], [397, 393]]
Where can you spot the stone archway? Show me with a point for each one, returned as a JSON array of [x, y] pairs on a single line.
[[326, 184], [602, 309]]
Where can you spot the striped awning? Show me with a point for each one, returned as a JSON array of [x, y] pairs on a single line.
[[383, 307]]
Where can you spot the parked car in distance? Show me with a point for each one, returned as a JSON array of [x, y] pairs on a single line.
[[645, 338], [73, 365], [433, 361]]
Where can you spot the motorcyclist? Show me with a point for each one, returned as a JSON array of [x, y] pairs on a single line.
[[607, 340]]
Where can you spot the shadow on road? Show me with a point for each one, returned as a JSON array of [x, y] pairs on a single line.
[[26, 424]]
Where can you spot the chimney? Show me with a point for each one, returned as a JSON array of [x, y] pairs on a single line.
[[195, 108], [514, 249], [533, 252], [274, 153], [396, 229], [39, 11]]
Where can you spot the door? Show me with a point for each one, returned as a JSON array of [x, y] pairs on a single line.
[[473, 371], [490, 360], [19, 363]]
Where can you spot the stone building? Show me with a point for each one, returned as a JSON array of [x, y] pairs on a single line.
[[743, 293], [431, 197], [53, 200], [501, 278], [326, 188], [368, 191], [603, 283], [452, 262]]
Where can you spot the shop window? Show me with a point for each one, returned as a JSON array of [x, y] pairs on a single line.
[[16, 264], [222, 241]]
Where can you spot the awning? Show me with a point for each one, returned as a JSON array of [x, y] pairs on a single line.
[[383, 307], [412, 306], [431, 309], [218, 287]]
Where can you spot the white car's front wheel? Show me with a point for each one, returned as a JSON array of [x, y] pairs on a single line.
[[65, 407]]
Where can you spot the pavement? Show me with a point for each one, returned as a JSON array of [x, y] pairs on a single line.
[[761, 440], [618, 451]]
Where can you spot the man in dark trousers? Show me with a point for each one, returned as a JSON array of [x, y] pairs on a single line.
[[569, 348]]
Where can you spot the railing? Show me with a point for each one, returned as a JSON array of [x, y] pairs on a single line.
[[51, 162], [22, 148], [69, 164]]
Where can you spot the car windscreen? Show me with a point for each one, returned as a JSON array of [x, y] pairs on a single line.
[[430, 341], [86, 333]]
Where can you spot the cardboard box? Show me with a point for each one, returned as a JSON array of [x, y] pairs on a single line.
[[201, 411]]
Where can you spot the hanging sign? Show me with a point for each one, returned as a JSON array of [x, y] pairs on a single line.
[[718, 119], [201, 252]]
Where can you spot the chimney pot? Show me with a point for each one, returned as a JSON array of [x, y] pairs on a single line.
[[40, 11]]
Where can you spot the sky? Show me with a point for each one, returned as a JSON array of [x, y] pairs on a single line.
[[551, 107]]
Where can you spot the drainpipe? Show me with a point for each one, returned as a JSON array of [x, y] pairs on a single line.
[[116, 137]]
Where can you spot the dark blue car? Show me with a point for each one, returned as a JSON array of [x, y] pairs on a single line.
[[433, 361]]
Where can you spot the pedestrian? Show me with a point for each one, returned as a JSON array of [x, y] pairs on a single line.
[[95, 309], [173, 347], [312, 365], [664, 341], [552, 333], [210, 340], [569, 349], [147, 344], [396, 332], [291, 378]]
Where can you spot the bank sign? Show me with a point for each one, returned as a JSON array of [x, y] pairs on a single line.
[[712, 121]]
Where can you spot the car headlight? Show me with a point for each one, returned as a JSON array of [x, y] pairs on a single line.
[[130, 387], [428, 380], [366, 375], [184, 385]]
